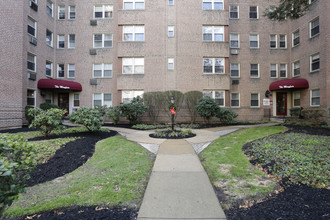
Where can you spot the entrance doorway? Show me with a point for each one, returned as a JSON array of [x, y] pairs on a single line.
[[281, 103], [63, 102]]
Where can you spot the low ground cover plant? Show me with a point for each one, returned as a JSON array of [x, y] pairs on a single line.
[[169, 133]]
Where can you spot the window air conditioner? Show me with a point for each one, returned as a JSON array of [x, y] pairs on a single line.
[[234, 51], [93, 22], [92, 52], [32, 76], [235, 82], [33, 40]]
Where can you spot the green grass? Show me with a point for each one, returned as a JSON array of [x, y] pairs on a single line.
[[117, 174]]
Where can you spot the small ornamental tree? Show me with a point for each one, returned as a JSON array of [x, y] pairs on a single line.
[[191, 100], [88, 117], [47, 120], [207, 108], [154, 101], [114, 114], [134, 110]]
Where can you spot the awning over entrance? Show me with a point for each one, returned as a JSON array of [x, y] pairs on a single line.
[[289, 84], [59, 84]]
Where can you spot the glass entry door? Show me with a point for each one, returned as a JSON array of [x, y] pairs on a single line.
[[281, 103]]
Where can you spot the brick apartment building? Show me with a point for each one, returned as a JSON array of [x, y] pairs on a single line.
[[90, 52]]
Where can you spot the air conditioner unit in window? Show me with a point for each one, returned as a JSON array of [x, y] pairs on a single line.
[[33, 40], [32, 76], [93, 22], [93, 82], [33, 5], [235, 82], [234, 51], [92, 52]]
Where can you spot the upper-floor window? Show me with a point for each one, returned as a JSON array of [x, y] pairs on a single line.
[[61, 12], [133, 33], [233, 12], [217, 96], [254, 70], [32, 27], [296, 68], [213, 33], [127, 96], [170, 2], [49, 38], [234, 70], [170, 31], [133, 65], [72, 12], [31, 62], [71, 70], [253, 12], [283, 70], [170, 63], [102, 40], [295, 38], [315, 97], [60, 41], [60, 70], [214, 65], [314, 27], [282, 41], [72, 41], [273, 41], [49, 68], [49, 8], [315, 62], [273, 70], [212, 4], [103, 11], [102, 70], [234, 40], [133, 4], [254, 41]]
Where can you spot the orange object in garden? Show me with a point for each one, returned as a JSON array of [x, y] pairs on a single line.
[[172, 111]]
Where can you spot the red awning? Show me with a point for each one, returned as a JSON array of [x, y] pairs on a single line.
[[59, 84], [289, 84]]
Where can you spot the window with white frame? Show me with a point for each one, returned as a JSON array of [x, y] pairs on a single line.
[[103, 11], [133, 4], [272, 41], [170, 2], [253, 12], [315, 62], [233, 12], [32, 27], [213, 33], [101, 99], [72, 12], [170, 63], [296, 99], [133, 33], [60, 70], [234, 70], [214, 65], [296, 68], [273, 70], [102, 40], [254, 41], [49, 8], [254, 99], [234, 40], [133, 65], [61, 12], [60, 41], [311, 1], [127, 96], [31, 62], [254, 70], [31, 97], [212, 4], [217, 96], [283, 70], [71, 70], [102, 70], [49, 38], [72, 41], [314, 27], [49, 68], [76, 100], [49, 97], [234, 99], [315, 97], [282, 41], [170, 31], [295, 38]]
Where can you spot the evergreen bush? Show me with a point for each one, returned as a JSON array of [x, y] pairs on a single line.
[[207, 108], [88, 117], [134, 110]]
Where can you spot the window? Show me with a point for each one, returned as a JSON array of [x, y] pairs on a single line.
[[133, 4], [61, 12], [103, 11], [32, 27], [234, 70], [282, 41], [233, 12], [296, 68], [76, 100], [314, 27], [102, 40], [101, 99], [217, 96], [295, 38], [234, 40], [49, 8], [214, 65], [170, 31], [311, 1], [31, 97], [296, 98], [60, 41], [254, 99], [48, 97], [254, 70], [49, 38], [315, 97], [212, 4], [31, 62], [49, 68], [133, 65], [170, 2], [253, 12], [315, 62], [72, 12], [254, 41], [283, 70], [272, 41], [273, 70], [127, 96], [72, 41], [213, 33], [102, 70], [60, 70], [71, 70], [170, 63], [234, 99], [133, 33]]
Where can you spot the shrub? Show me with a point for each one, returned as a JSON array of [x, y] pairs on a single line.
[[154, 101], [191, 100], [314, 115], [28, 117], [133, 110], [207, 108], [16, 156], [45, 106], [48, 121], [178, 103], [102, 109], [114, 114], [88, 117], [226, 115]]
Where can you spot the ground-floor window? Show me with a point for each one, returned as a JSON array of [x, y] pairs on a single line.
[[101, 99], [217, 96], [234, 99], [31, 97], [76, 100], [254, 99], [296, 99], [315, 97], [127, 96]]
